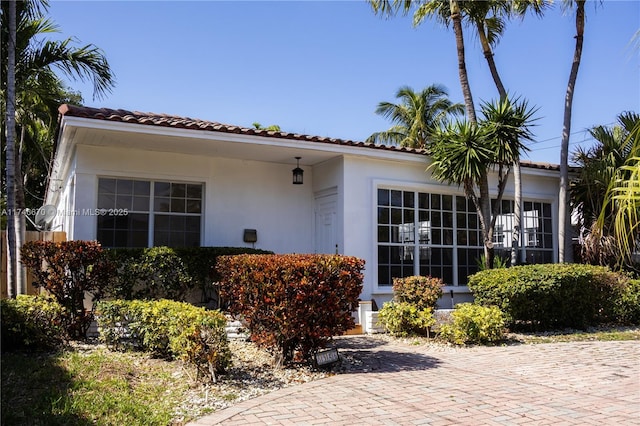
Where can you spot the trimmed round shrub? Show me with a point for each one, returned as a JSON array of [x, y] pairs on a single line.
[[292, 303], [404, 319], [473, 323], [32, 322], [422, 292], [548, 296]]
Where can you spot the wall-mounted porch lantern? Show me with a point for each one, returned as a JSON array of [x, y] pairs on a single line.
[[297, 173]]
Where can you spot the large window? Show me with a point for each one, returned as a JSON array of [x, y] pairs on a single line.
[[439, 235], [138, 213]]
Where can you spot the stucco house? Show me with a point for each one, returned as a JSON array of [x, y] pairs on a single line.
[[140, 179]]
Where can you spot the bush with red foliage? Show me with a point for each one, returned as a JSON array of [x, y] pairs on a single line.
[[67, 270], [292, 302]]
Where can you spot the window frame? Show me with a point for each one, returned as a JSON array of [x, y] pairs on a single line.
[[455, 247], [152, 212]]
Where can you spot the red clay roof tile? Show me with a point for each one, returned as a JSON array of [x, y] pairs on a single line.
[[165, 120]]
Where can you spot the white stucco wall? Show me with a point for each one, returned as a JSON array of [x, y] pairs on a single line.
[[237, 195], [259, 195]]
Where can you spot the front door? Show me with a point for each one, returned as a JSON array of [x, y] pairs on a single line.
[[326, 223]]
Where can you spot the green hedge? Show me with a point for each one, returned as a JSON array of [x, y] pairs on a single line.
[[32, 323], [627, 307], [167, 329], [549, 296], [163, 272]]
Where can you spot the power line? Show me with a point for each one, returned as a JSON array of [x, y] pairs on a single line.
[[572, 133]]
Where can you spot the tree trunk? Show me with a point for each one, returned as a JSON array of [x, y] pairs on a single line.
[[517, 179], [462, 67], [20, 220], [564, 218], [517, 214], [483, 208], [10, 153], [488, 55]]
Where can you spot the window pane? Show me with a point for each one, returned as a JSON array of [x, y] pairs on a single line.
[[178, 205], [178, 190], [191, 239], [408, 216], [162, 189], [447, 220], [161, 204], [447, 202], [194, 191], [124, 186], [396, 216], [140, 204], [436, 219], [106, 186], [194, 206], [408, 199], [141, 187], [383, 197], [383, 254], [383, 234], [396, 198], [435, 201], [383, 215], [192, 224], [423, 200], [162, 223], [106, 201], [383, 275], [123, 201], [462, 237]]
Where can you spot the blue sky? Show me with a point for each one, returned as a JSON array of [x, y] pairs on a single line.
[[321, 67]]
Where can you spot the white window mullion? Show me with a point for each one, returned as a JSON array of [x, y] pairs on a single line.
[[151, 213]]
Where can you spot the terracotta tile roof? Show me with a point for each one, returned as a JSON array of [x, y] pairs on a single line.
[[164, 120]]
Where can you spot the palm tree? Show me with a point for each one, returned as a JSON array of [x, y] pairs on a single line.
[[489, 19], [38, 92], [564, 219], [10, 102], [447, 12], [464, 154], [415, 117], [605, 172]]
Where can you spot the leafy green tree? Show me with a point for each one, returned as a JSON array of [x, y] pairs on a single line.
[[38, 92], [416, 117], [607, 193], [465, 153], [272, 128]]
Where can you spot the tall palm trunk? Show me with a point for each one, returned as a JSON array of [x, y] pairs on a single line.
[[10, 129], [456, 18], [517, 180], [20, 220], [564, 218]]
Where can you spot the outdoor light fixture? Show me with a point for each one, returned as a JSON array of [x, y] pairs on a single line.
[[297, 173]]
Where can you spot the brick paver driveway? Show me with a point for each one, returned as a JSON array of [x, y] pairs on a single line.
[[580, 383]]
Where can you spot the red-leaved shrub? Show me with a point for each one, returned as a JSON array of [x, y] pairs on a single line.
[[292, 302], [67, 270], [422, 292]]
